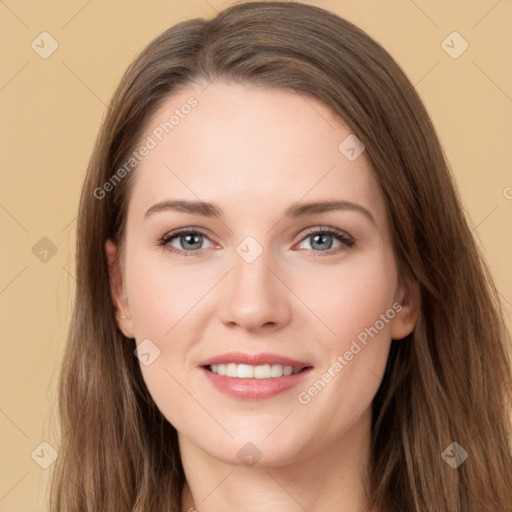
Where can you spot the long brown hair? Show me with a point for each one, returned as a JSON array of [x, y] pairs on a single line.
[[448, 381]]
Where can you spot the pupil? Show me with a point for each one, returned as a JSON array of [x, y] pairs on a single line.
[[322, 237], [191, 237]]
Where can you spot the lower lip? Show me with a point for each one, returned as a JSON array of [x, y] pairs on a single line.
[[255, 389]]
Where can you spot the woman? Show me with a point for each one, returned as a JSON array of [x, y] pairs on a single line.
[[335, 342]]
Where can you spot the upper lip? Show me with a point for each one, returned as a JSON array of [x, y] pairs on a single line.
[[253, 360]]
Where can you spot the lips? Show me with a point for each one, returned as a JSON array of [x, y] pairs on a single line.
[[254, 376]]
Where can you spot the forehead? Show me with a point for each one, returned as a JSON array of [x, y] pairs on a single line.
[[240, 144]]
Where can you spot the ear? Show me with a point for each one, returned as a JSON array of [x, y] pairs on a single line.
[[123, 317], [409, 296]]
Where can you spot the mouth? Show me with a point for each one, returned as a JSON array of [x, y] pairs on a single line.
[[254, 376]]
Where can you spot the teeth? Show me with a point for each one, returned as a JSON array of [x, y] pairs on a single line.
[[242, 371], [247, 371]]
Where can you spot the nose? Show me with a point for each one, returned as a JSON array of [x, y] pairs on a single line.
[[254, 295]]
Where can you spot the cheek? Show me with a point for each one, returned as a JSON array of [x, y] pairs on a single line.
[[161, 296], [357, 306], [162, 302], [352, 299]]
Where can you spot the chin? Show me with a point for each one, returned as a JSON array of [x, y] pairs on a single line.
[[251, 449]]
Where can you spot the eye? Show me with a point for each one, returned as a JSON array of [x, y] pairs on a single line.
[[190, 242], [321, 241]]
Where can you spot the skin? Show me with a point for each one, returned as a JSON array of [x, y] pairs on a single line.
[[255, 152]]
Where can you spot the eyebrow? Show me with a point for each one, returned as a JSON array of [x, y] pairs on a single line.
[[297, 210]]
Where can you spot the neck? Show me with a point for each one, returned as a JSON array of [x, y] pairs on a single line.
[[330, 479]]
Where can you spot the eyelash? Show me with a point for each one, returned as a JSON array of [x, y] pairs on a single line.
[[347, 241]]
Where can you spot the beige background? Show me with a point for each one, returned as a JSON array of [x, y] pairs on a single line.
[[50, 113]]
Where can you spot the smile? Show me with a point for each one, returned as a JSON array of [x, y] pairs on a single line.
[[254, 376]]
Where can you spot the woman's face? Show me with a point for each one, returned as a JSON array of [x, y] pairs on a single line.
[[260, 281]]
